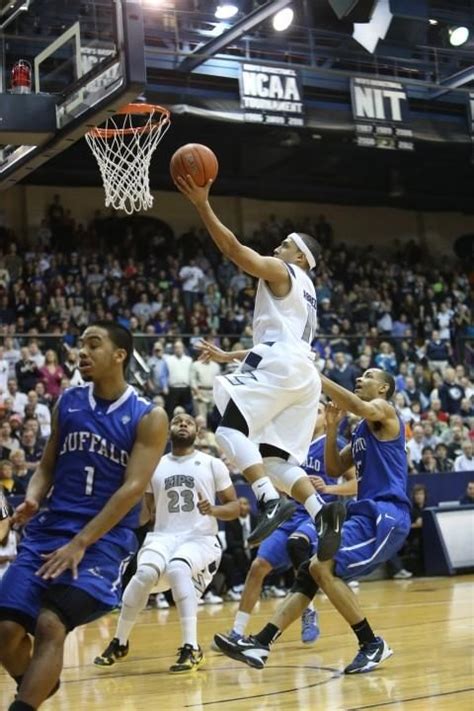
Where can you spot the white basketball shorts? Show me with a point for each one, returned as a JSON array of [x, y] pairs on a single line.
[[277, 391]]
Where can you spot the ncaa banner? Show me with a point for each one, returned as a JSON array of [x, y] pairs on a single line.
[[381, 113], [271, 95]]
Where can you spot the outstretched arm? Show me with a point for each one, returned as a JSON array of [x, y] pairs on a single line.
[[376, 410], [269, 269], [209, 351]]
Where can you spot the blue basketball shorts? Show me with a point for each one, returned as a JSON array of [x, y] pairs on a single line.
[[274, 548], [374, 531], [99, 575]]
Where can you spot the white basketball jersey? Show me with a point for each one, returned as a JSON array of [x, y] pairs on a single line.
[[290, 319], [175, 486]]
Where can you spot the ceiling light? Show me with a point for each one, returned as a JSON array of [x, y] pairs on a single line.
[[226, 10], [283, 19], [458, 36], [433, 22]]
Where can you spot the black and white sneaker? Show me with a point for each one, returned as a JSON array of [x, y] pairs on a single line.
[[369, 657], [329, 529], [111, 653], [245, 649], [272, 513]]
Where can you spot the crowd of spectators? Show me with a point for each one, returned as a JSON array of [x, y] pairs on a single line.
[[398, 310]]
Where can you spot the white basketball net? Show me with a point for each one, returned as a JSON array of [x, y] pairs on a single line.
[[123, 153]]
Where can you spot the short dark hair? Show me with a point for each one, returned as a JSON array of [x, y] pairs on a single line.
[[120, 336], [388, 380], [312, 244], [427, 449]]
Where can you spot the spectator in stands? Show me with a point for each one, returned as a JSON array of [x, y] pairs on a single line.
[[465, 461], [18, 399], [8, 443], [6, 476], [451, 392], [444, 464], [179, 367], [4, 370], [42, 412], [343, 373], [428, 463], [26, 370], [205, 439], [35, 353], [454, 437], [430, 439], [51, 375], [32, 449], [11, 354], [438, 352], [192, 280], [467, 499], [415, 445], [413, 553], [71, 367], [20, 472], [202, 382], [386, 359], [159, 374]]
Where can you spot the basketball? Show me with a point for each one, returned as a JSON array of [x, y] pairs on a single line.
[[196, 160]]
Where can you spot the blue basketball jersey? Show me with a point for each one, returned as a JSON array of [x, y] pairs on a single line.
[[382, 471], [315, 465], [96, 438]]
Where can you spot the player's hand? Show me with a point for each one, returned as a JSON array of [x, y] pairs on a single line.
[[318, 483], [334, 414], [60, 560], [205, 507], [208, 352], [25, 511], [195, 193]]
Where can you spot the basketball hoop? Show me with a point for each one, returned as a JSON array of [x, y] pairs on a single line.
[[123, 148]]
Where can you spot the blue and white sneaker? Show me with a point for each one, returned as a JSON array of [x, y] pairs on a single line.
[[369, 657], [246, 649], [309, 626], [233, 636]]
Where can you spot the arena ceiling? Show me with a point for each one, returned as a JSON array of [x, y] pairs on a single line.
[[320, 161]]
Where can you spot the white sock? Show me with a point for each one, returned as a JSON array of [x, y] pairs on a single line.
[[264, 489], [125, 626], [313, 505], [189, 630], [184, 595], [240, 622]]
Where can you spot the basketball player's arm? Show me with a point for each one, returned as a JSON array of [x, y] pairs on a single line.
[[209, 351], [43, 478], [347, 488], [336, 462], [269, 269], [150, 441], [227, 510], [378, 410]]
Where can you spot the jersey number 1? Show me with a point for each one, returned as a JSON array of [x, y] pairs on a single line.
[[90, 473]]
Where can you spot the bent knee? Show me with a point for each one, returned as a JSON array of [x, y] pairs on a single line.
[[260, 568], [50, 626]]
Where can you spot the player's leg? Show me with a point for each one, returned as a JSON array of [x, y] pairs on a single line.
[[255, 649], [232, 437], [301, 546], [152, 560], [63, 608], [192, 567], [289, 477], [179, 574], [15, 647]]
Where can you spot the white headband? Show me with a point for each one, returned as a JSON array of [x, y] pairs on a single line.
[[303, 248]]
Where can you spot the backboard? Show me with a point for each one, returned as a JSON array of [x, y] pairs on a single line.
[[87, 60]]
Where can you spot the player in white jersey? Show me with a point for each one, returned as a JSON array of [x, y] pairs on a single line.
[[183, 551], [268, 405]]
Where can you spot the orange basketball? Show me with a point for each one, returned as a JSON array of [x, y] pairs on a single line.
[[196, 160]]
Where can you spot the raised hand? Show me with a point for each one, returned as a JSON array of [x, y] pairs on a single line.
[[195, 193], [334, 414]]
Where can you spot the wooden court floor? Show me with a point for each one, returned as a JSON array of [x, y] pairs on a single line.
[[427, 622]]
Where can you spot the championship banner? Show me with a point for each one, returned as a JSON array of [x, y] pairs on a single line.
[[380, 110], [271, 95]]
